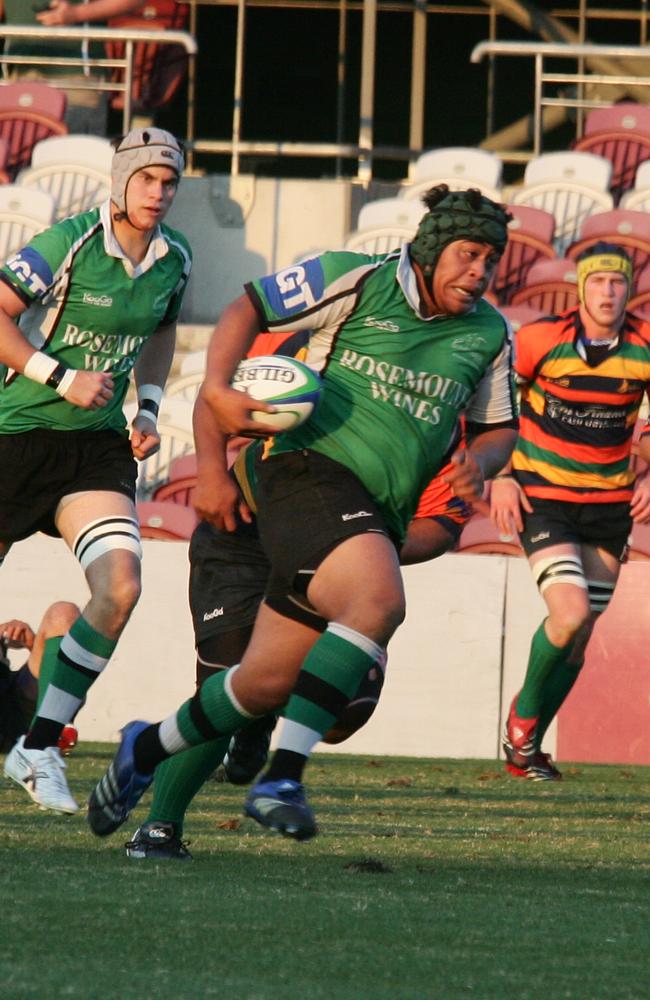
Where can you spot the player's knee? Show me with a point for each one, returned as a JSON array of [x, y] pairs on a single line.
[[126, 594], [114, 602], [59, 618], [567, 622], [379, 619]]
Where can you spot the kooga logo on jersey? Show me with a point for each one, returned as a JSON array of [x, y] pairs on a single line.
[[97, 300]]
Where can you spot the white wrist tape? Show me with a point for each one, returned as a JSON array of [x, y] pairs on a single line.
[[66, 381], [40, 367], [149, 400]]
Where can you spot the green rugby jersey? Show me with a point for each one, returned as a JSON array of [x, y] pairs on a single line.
[[89, 307], [394, 382]]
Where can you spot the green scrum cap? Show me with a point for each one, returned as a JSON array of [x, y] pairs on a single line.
[[457, 215], [141, 148]]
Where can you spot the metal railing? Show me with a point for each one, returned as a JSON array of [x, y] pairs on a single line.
[[83, 65], [610, 70]]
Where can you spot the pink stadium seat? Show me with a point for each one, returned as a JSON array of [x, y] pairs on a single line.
[[549, 297], [166, 520], [640, 301], [530, 235], [552, 286], [557, 269], [480, 536], [29, 112], [624, 150], [626, 116], [629, 229], [520, 315]]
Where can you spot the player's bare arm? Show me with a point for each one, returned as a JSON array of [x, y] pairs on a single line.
[[151, 371], [487, 452], [216, 498], [231, 339]]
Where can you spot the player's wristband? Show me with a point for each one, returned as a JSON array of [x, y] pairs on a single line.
[[48, 371], [149, 400], [41, 368]]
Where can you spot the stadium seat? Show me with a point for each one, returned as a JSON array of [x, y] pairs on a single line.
[[176, 439], [383, 239], [530, 235], [621, 133], [165, 520], [4, 154], [185, 387], [481, 536], [390, 211], [549, 297], [29, 112], [74, 169], [459, 167], [520, 315], [629, 229], [640, 301], [624, 150], [193, 362], [626, 116], [555, 269], [638, 198], [569, 185], [551, 287], [158, 70], [23, 214], [180, 483], [639, 542]]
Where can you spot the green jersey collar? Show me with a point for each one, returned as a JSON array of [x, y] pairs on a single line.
[[158, 246]]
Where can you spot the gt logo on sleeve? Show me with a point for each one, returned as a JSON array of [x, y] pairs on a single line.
[[33, 271], [295, 288]]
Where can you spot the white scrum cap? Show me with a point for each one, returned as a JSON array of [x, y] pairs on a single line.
[[140, 148]]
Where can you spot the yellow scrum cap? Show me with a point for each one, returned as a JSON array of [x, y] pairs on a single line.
[[603, 257]]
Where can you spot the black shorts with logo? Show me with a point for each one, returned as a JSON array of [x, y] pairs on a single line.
[[40, 467], [556, 522], [307, 505], [229, 573]]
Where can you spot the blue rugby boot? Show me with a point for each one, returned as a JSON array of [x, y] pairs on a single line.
[[121, 788], [281, 806]]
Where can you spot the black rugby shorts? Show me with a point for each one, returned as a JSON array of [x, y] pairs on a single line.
[[40, 467]]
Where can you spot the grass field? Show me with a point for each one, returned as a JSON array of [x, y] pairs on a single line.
[[430, 879]]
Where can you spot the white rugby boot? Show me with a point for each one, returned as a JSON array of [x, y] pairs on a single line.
[[42, 774]]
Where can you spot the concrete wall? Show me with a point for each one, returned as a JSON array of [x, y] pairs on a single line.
[[453, 667], [243, 227]]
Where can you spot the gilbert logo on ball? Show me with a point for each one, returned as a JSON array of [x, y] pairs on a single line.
[[291, 386]]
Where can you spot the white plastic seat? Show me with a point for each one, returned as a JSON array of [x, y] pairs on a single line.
[[459, 167], [383, 239], [185, 387], [570, 202], [23, 214], [193, 362], [574, 167], [638, 199], [390, 212], [74, 169], [176, 439]]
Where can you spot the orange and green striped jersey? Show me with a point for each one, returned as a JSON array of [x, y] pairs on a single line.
[[577, 418]]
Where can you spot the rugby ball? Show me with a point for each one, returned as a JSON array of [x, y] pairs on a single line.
[[291, 386]]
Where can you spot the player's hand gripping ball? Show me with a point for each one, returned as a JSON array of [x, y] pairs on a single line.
[[292, 387]]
